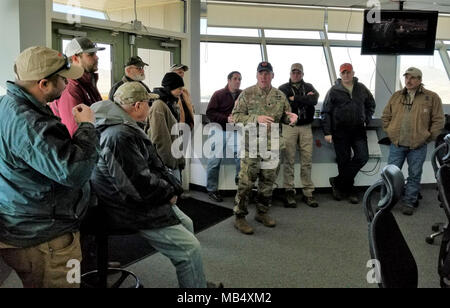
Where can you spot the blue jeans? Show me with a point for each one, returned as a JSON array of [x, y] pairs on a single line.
[[415, 159], [180, 245], [229, 140]]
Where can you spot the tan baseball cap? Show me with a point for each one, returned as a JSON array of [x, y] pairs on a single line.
[[413, 71], [175, 67], [36, 63], [132, 92], [297, 66]]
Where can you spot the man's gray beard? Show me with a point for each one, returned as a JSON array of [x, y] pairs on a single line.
[[138, 77]]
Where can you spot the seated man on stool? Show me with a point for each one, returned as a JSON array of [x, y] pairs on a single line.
[[131, 180]]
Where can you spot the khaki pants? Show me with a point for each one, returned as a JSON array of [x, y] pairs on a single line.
[[301, 136], [44, 265]]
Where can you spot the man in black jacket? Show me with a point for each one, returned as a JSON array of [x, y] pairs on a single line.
[[134, 71], [346, 111], [134, 184], [302, 97]]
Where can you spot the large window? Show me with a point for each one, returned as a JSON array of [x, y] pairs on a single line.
[[434, 75], [292, 34], [72, 10], [364, 66], [217, 60], [311, 57]]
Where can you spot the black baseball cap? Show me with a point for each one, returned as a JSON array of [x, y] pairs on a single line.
[[265, 66], [136, 61]]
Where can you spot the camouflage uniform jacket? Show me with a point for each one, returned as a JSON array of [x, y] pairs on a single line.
[[254, 102]]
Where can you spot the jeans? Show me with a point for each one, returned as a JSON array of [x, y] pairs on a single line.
[[229, 140], [346, 140], [415, 159], [180, 245]]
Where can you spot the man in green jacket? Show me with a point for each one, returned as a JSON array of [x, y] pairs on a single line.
[[44, 174], [412, 118]]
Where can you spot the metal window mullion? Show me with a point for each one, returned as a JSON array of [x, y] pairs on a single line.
[[262, 36]]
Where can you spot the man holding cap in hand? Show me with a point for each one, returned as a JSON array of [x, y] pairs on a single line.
[[44, 174], [412, 118], [134, 71], [83, 53], [347, 109]]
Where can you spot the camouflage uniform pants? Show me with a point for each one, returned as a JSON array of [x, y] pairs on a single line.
[[251, 170]]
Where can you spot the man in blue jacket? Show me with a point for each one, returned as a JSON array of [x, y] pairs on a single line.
[[44, 174], [136, 188], [346, 111]]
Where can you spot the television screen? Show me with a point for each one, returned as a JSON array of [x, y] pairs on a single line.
[[399, 32]]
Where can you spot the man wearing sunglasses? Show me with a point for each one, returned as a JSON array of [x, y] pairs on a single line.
[[134, 71], [82, 53], [44, 173]]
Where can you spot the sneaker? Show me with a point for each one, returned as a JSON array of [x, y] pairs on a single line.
[[242, 225], [212, 285], [407, 209], [337, 195], [310, 201], [215, 196], [289, 201], [265, 219], [353, 198]]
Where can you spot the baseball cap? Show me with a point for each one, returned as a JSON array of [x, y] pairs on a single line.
[[136, 61], [81, 44], [414, 72], [36, 63], [346, 67], [264, 66], [175, 67], [297, 66], [130, 93]]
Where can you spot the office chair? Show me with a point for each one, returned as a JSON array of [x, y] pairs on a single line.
[[436, 162], [104, 276], [398, 269], [443, 183]]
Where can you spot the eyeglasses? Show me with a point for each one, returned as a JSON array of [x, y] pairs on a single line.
[[65, 66]]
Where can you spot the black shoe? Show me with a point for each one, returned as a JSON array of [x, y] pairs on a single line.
[[212, 285], [337, 195], [407, 209], [215, 196], [353, 198]]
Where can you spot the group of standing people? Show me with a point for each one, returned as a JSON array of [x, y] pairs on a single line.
[[62, 145]]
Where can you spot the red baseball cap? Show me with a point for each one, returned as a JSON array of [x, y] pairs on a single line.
[[346, 67]]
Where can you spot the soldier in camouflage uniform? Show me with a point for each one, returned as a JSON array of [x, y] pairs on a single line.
[[265, 105]]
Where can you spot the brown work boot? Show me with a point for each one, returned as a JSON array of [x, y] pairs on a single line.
[[310, 201], [290, 199], [265, 219], [242, 225]]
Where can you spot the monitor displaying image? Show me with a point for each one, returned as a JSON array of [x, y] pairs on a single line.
[[399, 33]]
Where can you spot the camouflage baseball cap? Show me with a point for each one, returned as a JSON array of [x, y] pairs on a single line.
[[297, 66], [36, 63], [130, 93]]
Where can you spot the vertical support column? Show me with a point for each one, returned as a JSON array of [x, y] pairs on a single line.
[[385, 82], [23, 23]]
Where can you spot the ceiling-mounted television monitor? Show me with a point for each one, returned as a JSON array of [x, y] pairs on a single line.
[[399, 32]]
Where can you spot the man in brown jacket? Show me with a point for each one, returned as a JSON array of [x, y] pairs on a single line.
[[412, 118]]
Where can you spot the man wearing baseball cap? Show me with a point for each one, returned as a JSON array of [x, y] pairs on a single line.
[[134, 71], [81, 52], [302, 97], [347, 110], [261, 105], [44, 174], [184, 103], [412, 118], [138, 193]]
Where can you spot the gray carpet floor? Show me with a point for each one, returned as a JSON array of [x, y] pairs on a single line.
[[324, 247]]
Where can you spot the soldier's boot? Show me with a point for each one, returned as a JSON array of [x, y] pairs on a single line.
[[265, 219], [242, 225], [290, 199]]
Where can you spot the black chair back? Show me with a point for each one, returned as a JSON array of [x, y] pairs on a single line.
[[398, 268], [443, 183]]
